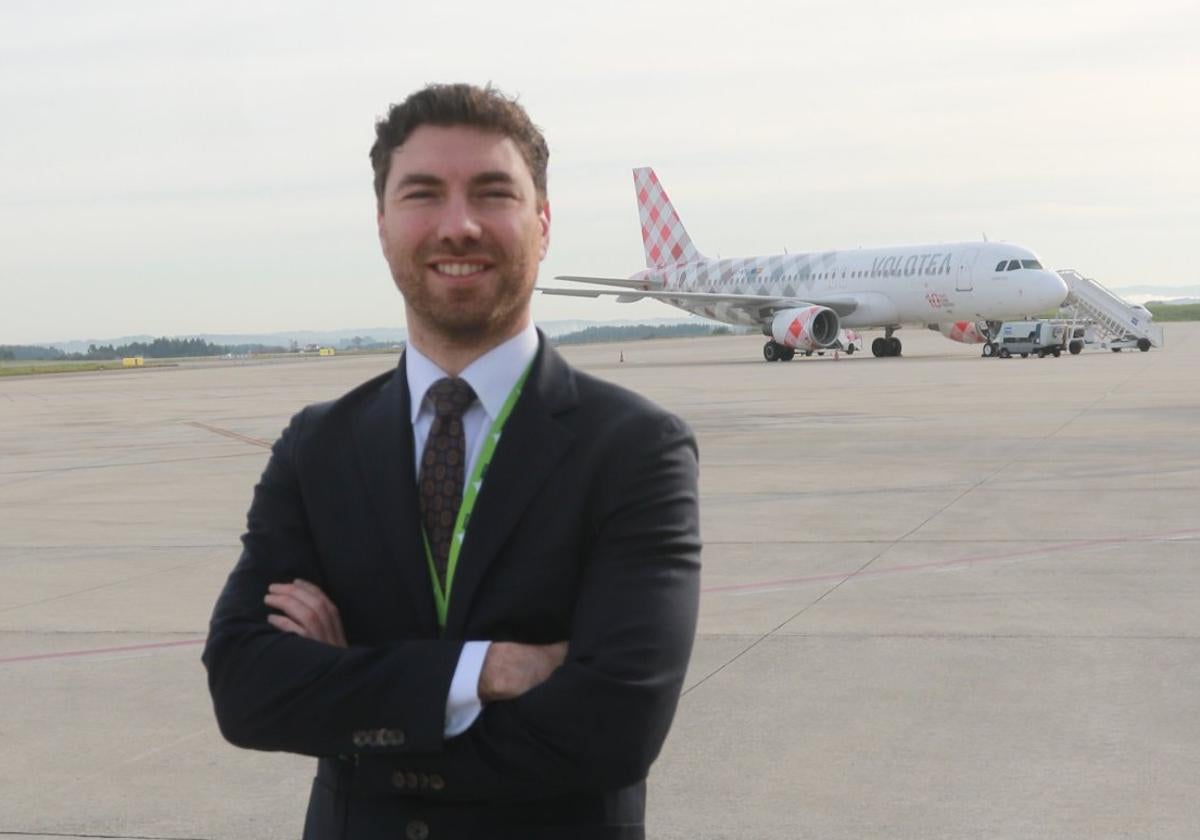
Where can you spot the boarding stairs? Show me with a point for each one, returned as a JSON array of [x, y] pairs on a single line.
[[1114, 319]]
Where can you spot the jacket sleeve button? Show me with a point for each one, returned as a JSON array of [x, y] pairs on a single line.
[[437, 782], [398, 780], [416, 830]]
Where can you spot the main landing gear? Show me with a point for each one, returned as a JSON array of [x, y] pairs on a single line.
[[887, 345], [775, 352]]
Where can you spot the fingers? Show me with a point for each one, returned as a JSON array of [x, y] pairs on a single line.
[[324, 611], [327, 611], [313, 620], [307, 610], [285, 624]]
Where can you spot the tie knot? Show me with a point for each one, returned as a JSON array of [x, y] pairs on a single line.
[[451, 396]]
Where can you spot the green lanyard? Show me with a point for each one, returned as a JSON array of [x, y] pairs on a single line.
[[441, 598]]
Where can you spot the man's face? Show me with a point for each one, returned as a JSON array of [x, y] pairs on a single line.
[[463, 231]]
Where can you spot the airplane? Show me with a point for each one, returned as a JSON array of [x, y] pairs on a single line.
[[802, 302]]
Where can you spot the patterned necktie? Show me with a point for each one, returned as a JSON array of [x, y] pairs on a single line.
[[443, 465]]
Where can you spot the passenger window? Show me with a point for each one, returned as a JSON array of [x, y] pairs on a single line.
[[1013, 265]]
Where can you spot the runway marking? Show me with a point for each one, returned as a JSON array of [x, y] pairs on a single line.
[[98, 651], [217, 430], [164, 747], [782, 583]]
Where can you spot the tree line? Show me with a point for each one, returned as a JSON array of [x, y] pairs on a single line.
[[159, 348], [1174, 311]]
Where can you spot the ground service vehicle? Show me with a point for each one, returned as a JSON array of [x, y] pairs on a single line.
[[1040, 338], [1129, 341]]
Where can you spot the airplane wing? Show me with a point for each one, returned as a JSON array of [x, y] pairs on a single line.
[[758, 306], [606, 281]]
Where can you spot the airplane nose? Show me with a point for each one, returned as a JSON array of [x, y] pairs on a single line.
[[1053, 288]]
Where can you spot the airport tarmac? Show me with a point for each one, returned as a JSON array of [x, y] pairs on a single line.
[[944, 596]]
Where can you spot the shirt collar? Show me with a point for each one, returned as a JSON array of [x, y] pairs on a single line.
[[492, 376]]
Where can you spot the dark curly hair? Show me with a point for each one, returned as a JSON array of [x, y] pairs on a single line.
[[484, 108]]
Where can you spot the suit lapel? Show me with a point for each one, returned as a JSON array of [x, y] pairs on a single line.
[[384, 443], [531, 445]]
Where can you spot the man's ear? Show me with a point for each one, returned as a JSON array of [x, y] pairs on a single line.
[[544, 219]]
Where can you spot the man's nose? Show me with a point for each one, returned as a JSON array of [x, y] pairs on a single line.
[[458, 222]]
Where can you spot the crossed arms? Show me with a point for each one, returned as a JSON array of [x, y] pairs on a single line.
[[509, 668], [590, 718]]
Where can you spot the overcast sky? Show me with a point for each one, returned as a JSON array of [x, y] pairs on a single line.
[[176, 168]]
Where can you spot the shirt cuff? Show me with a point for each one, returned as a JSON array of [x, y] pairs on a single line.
[[463, 704]]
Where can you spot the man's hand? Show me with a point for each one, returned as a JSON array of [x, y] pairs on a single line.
[[511, 668], [307, 612]]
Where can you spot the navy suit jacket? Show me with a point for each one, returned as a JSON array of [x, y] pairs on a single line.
[[586, 529]]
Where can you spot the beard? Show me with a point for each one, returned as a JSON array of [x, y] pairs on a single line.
[[474, 315]]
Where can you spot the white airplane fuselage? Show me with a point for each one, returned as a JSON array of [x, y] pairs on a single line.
[[915, 284]]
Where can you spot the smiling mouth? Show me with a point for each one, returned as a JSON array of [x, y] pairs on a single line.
[[460, 269]]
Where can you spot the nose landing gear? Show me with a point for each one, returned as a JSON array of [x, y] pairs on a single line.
[[991, 347]]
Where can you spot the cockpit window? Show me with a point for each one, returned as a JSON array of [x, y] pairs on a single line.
[[1030, 264], [1013, 265], [1000, 265]]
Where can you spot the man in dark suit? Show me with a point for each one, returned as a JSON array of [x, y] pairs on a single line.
[[469, 586]]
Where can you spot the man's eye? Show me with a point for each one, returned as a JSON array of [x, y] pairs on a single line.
[[419, 193], [498, 194]]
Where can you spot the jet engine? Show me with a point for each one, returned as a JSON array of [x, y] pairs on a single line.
[[967, 332], [805, 328]]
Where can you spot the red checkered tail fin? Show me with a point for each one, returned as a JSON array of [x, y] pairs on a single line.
[[666, 240]]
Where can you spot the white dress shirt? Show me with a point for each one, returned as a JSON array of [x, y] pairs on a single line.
[[492, 377]]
